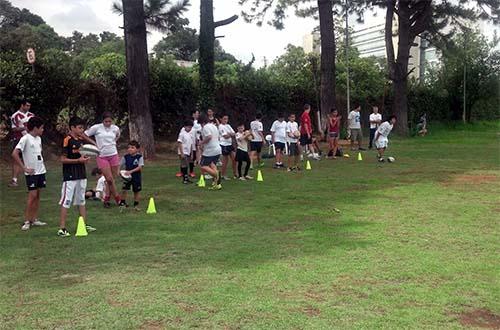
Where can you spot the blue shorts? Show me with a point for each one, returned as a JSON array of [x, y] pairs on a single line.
[[207, 160], [34, 182], [226, 150], [256, 146], [279, 146]]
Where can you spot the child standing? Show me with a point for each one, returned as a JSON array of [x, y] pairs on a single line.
[[74, 175], [257, 130], [381, 135], [242, 137], [293, 135], [132, 162], [333, 132], [278, 133], [226, 135], [211, 150], [185, 146], [30, 146]]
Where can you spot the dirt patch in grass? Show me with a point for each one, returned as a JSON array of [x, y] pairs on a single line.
[[471, 179], [152, 325], [480, 318], [311, 311]]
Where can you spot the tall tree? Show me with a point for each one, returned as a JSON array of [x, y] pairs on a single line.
[[322, 9], [417, 18], [136, 50], [207, 48], [136, 15]]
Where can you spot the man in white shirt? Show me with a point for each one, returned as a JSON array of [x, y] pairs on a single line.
[[19, 120], [381, 135], [375, 121], [226, 135], [354, 119], [30, 146], [278, 133], [211, 150], [257, 130]]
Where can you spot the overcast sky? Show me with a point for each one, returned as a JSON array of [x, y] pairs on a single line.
[[241, 39]]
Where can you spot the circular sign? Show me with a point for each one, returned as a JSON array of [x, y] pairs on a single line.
[[30, 55]]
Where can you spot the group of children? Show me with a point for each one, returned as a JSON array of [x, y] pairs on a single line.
[[202, 140], [28, 155]]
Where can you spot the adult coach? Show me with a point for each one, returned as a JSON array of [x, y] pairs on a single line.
[[19, 121], [106, 134], [306, 131], [375, 121]]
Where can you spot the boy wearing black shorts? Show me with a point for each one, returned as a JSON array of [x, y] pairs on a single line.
[[257, 130], [132, 162], [30, 146]]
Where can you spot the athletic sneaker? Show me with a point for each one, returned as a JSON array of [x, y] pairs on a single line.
[[178, 174], [208, 177], [90, 228], [63, 233], [276, 166], [216, 187], [192, 174], [289, 169], [381, 160], [136, 208], [262, 164], [242, 178], [13, 183], [26, 225], [226, 178], [248, 177], [38, 223], [362, 149], [187, 181]]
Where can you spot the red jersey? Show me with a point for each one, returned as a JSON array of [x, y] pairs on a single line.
[[305, 123], [20, 119], [334, 125]]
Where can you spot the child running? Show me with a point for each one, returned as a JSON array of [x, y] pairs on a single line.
[[185, 146], [293, 135], [278, 133], [242, 138], [132, 162], [333, 132], [211, 150], [74, 175], [381, 135], [30, 147]]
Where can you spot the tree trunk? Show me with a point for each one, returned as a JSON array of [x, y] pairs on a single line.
[[206, 58], [327, 32], [140, 122]]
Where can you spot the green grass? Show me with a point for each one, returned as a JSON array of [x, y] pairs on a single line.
[[415, 246]]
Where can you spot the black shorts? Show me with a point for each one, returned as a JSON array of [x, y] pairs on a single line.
[[256, 146], [293, 149], [226, 150], [305, 140], [207, 160], [279, 146], [242, 156], [34, 182], [333, 135], [135, 184]]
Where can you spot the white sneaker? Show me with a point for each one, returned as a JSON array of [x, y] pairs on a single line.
[[208, 177], [26, 225], [248, 177], [242, 178], [226, 178], [38, 223]]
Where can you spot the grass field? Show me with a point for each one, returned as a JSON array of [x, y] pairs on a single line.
[[415, 246]]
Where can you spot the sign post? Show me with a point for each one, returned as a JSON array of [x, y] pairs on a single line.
[[30, 55]]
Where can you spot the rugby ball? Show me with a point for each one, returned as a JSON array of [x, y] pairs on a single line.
[[89, 150], [391, 159], [124, 176], [269, 138]]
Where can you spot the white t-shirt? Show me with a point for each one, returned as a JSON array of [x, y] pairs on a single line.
[[31, 148], [279, 129], [256, 127], [99, 188], [375, 117], [225, 129], [354, 119], [105, 138], [292, 128], [212, 148], [196, 130], [242, 143], [187, 140], [384, 129]]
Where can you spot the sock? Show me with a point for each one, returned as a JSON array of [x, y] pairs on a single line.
[[191, 167], [136, 203]]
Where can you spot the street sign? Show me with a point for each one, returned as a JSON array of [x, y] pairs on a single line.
[[30, 55]]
